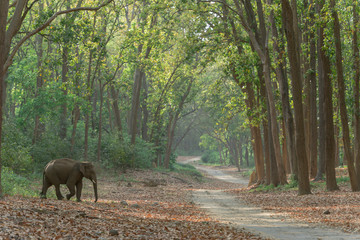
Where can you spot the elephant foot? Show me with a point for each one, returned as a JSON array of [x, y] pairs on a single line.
[[60, 198], [78, 200], [68, 196]]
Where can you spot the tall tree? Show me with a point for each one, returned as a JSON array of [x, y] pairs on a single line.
[[356, 67], [328, 109], [9, 29], [342, 100], [291, 31]]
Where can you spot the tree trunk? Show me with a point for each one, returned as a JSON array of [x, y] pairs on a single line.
[[321, 165], [247, 156], [4, 50], [250, 101], [63, 114], [76, 110], [266, 135], [285, 99], [100, 121], [269, 172], [273, 167], [296, 82], [328, 112], [108, 105], [240, 151], [39, 79], [356, 58], [310, 89], [135, 104], [89, 85], [145, 111], [170, 137], [274, 124], [76, 117], [312, 99], [342, 101], [172, 125], [115, 106]]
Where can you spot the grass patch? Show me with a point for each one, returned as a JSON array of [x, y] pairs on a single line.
[[209, 164], [247, 173], [343, 179], [14, 184], [186, 169], [293, 185]]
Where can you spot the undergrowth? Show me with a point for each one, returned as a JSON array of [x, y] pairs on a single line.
[[14, 184], [293, 185], [187, 169]]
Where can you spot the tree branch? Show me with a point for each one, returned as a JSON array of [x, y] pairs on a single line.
[[45, 25]]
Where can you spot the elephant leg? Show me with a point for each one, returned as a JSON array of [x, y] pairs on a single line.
[[46, 185], [78, 191], [71, 188], [58, 193]]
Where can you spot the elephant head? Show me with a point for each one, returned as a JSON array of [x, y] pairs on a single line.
[[88, 170]]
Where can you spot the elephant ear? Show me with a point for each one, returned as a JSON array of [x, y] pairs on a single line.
[[85, 166], [82, 168]]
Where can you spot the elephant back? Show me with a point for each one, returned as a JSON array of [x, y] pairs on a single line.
[[60, 167]]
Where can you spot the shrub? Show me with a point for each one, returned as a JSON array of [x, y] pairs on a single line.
[[118, 153], [49, 147], [14, 184], [210, 157], [187, 169], [15, 154]]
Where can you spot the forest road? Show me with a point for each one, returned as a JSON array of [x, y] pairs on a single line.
[[228, 209]]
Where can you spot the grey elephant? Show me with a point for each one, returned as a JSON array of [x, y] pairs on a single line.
[[70, 172]]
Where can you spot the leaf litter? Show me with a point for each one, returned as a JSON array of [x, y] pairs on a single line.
[[127, 209]]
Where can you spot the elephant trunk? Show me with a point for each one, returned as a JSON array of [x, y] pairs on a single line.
[[95, 189]]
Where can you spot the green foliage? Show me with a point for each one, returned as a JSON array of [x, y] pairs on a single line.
[[343, 179], [293, 183], [210, 157], [14, 184], [15, 150], [120, 154], [264, 188], [187, 169], [247, 173], [49, 147]]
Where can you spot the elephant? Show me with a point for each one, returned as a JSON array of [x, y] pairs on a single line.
[[70, 172]]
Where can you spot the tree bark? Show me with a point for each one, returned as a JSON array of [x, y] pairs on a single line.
[[310, 89], [145, 111], [172, 125], [63, 114], [285, 99], [135, 103], [39, 79], [313, 105], [296, 82], [321, 165], [100, 121], [115, 106], [356, 58], [328, 112], [4, 50], [342, 100], [76, 110]]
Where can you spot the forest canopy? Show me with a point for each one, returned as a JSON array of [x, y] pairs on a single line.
[[127, 84]]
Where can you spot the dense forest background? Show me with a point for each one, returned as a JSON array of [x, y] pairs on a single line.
[[128, 84]]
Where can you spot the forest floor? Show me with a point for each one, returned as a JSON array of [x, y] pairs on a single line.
[[281, 213], [145, 204], [138, 204]]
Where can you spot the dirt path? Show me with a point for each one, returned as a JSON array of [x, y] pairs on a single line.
[[227, 208]]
